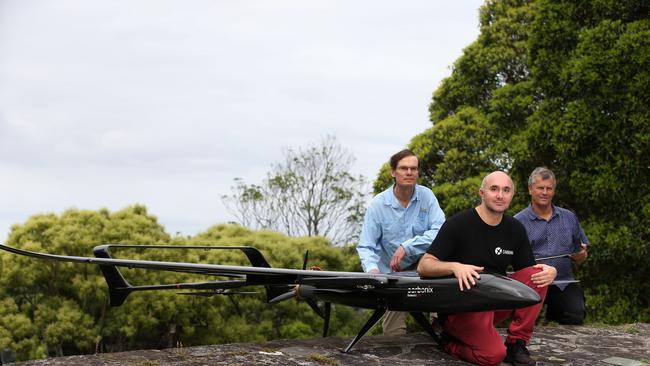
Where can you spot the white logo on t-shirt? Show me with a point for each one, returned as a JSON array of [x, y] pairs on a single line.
[[499, 251]]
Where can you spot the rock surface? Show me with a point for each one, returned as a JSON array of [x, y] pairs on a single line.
[[559, 345]]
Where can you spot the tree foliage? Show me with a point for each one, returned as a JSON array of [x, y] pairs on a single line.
[[310, 193], [56, 308], [561, 84]]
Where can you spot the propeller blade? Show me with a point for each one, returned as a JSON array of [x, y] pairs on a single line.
[[564, 282], [556, 256], [312, 304], [284, 296], [326, 323], [304, 262]]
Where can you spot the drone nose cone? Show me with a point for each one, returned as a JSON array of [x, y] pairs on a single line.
[[525, 296], [510, 293]]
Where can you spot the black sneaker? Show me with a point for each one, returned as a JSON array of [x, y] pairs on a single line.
[[518, 355], [445, 338]]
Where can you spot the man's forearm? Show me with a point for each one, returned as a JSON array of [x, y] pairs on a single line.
[[431, 266]]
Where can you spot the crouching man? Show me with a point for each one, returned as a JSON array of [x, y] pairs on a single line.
[[485, 239]]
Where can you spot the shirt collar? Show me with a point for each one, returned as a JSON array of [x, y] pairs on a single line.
[[391, 200], [532, 216]]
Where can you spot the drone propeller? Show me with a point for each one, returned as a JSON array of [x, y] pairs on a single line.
[[291, 293], [306, 293], [284, 296]]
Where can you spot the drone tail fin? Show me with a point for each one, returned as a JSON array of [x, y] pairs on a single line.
[[118, 287], [273, 291]]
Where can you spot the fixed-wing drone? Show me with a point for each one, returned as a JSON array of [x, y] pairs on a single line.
[[400, 291]]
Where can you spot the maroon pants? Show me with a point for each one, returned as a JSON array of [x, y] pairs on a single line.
[[477, 338]]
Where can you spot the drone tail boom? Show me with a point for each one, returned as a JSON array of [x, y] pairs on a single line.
[[119, 287]]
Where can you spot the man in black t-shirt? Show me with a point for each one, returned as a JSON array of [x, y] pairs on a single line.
[[483, 239]]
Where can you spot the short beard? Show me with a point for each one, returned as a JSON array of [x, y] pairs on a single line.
[[491, 210]]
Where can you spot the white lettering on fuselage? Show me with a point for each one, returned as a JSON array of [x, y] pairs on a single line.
[[417, 291], [365, 287]]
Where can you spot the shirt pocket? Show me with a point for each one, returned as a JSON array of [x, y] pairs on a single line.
[[564, 238], [421, 224]]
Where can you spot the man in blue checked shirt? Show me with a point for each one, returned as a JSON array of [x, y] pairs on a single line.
[[555, 231], [399, 225]]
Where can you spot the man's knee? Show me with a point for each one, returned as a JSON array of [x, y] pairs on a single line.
[[494, 357], [573, 318], [567, 307], [524, 276], [566, 316]]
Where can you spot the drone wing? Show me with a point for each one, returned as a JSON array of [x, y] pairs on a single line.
[[276, 280]]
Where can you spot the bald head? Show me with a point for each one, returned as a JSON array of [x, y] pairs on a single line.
[[496, 192], [498, 175]]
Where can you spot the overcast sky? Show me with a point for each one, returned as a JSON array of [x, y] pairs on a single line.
[[163, 102]]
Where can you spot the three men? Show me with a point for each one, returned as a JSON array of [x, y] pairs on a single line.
[[485, 239], [399, 225], [554, 231]]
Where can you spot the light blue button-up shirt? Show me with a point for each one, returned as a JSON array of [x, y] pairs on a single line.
[[387, 225]]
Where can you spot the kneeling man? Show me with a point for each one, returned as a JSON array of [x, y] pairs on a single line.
[[485, 239]]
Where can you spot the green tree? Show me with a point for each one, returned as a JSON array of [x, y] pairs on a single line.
[[18, 332], [59, 299], [58, 308], [310, 193], [64, 324]]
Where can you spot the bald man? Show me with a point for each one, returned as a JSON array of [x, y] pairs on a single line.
[[484, 239]]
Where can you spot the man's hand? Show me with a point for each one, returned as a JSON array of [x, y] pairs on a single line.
[[466, 274], [581, 256], [374, 270], [545, 277], [397, 258]]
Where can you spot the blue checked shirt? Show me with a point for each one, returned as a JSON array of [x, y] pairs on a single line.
[[561, 234], [387, 225]]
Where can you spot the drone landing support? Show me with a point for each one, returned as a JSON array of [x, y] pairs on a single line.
[[424, 324], [326, 320], [379, 312]]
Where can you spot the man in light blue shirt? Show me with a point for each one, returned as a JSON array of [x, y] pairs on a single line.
[[399, 226]]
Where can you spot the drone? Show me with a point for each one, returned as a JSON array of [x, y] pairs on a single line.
[[397, 291]]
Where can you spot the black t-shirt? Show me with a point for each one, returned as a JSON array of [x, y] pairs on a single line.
[[465, 238]]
